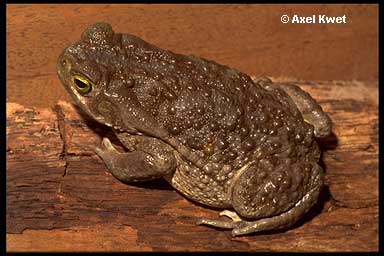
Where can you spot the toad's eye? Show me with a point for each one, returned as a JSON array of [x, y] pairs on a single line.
[[83, 85]]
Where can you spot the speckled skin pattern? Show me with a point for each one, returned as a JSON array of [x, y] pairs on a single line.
[[215, 135]]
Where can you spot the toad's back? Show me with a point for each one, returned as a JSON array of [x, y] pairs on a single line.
[[217, 112]]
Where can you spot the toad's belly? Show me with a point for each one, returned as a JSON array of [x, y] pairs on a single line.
[[193, 183]]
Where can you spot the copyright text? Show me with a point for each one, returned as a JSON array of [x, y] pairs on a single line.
[[320, 19]]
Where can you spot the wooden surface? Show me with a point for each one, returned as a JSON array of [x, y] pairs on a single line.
[[248, 37], [60, 196]]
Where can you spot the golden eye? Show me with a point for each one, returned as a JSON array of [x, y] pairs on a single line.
[[83, 85]]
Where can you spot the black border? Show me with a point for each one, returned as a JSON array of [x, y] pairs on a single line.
[[3, 5]]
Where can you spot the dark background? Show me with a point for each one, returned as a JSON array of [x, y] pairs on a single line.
[[250, 38]]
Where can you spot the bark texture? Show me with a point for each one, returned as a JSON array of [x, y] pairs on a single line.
[[60, 196]]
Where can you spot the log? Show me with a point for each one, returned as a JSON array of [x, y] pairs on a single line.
[[61, 197]]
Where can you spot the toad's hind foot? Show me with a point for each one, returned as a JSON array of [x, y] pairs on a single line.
[[221, 223], [284, 220], [230, 214]]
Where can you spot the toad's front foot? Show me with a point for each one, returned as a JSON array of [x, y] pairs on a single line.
[[150, 160]]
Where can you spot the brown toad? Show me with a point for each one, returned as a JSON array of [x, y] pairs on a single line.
[[215, 135]]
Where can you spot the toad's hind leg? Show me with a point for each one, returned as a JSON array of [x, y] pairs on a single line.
[[310, 110], [283, 220], [281, 217]]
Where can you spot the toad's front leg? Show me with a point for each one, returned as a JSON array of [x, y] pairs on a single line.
[[151, 159]]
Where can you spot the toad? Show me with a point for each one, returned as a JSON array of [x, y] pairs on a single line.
[[247, 147]]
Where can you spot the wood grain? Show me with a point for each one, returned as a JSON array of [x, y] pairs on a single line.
[[60, 196]]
